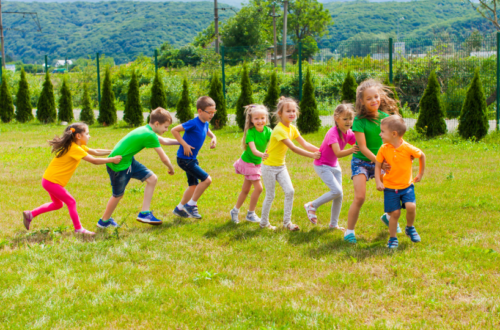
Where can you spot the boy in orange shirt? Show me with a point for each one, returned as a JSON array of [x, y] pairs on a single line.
[[397, 184]]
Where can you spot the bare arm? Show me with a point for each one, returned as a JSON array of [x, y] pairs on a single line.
[[378, 176], [360, 138], [168, 142], [299, 151], [422, 169], [306, 145], [213, 143], [100, 161], [99, 152], [256, 152], [343, 153], [165, 160], [176, 132]]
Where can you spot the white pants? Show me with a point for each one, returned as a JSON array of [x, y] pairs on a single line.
[[271, 175]]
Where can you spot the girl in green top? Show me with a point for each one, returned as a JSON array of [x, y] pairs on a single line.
[[372, 105], [256, 136]]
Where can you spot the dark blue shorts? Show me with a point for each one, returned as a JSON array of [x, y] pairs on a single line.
[[119, 180], [395, 199], [359, 166], [193, 170]]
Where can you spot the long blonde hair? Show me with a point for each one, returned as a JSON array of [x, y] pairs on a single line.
[[387, 104], [250, 110], [276, 115], [339, 111]]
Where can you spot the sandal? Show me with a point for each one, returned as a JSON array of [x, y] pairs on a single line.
[[311, 216], [268, 226], [84, 232], [337, 227], [292, 227]]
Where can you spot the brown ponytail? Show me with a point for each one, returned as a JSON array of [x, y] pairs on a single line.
[[61, 145]]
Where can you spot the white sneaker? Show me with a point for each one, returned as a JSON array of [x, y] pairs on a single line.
[[252, 217], [234, 216]]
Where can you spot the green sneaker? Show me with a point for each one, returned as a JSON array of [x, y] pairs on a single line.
[[386, 222]]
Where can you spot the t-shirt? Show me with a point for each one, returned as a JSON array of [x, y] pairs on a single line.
[[195, 133], [371, 128], [61, 169], [400, 176], [328, 157], [261, 139], [132, 144], [277, 149]]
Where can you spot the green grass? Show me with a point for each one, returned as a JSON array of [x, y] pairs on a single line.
[[212, 274]]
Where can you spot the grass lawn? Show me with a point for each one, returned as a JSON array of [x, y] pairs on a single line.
[[212, 274]]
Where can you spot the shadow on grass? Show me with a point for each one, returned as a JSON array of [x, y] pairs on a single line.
[[238, 232], [305, 237]]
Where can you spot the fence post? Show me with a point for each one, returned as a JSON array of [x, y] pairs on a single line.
[[222, 48], [46, 66], [156, 60], [498, 80], [300, 71], [390, 60], [98, 81]]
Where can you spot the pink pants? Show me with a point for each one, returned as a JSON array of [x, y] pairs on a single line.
[[59, 195]]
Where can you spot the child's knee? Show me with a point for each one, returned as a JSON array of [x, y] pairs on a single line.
[[289, 193], [71, 202], [395, 214], [258, 189], [359, 199], [58, 205], [208, 180], [153, 179], [410, 207]]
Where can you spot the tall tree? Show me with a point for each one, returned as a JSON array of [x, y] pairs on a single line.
[[133, 109], [488, 9], [272, 97], [473, 121], [46, 109], [243, 29], [217, 94], [308, 121], [6, 104], [308, 18], [431, 116], [158, 96], [184, 112], [107, 108], [24, 110], [244, 99], [87, 114], [65, 103]]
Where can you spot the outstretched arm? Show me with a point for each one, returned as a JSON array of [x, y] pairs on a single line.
[[361, 139], [176, 132], [299, 151], [164, 158], [256, 152], [100, 161], [343, 153], [168, 142], [99, 152], [306, 145]]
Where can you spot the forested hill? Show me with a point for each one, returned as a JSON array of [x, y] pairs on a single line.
[[125, 29]]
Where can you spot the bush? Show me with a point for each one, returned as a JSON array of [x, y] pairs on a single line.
[[87, 114], [158, 96], [394, 94], [24, 110], [349, 89], [431, 117], [107, 109], [473, 121], [46, 109], [184, 112], [272, 96], [308, 121], [244, 99], [133, 109], [65, 104], [6, 104], [217, 94]]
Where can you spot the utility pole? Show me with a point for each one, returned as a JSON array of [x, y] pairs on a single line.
[[285, 14], [216, 22], [274, 33], [1, 37]]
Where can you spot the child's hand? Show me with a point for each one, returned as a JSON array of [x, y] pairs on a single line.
[[354, 149], [170, 169], [380, 186], [317, 155], [213, 143], [386, 167], [418, 178], [117, 159], [187, 149], [265, 156]]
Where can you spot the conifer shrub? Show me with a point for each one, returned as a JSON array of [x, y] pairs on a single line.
[[46, 108], [107, 109], [217, 94], [24, 109], [473, 122], [158, 95], [6, 104], [431, 117], [308, 121], [349, 89], [244, 99], [133, 109], [184, 112], [272, 97], [87, 114], [65, 103]]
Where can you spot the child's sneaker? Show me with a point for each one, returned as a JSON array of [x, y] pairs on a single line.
[[252, 217], [411, 232], [291, 227], [108, 223], [27, 218], [234, 216], [393, 243], [351, 238], [148, 218], [192, 211], [180, 213], [386, 222], [84, 232]]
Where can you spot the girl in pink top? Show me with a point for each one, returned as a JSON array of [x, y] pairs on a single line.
[[328, 167]]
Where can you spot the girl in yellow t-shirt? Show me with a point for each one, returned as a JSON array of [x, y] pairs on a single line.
[[69, 149], [274, 168]]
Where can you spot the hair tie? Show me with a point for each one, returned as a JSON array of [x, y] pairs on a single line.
[[72, 130]]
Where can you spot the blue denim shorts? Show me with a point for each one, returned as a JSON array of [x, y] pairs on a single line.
[[359, 166], [193, 170], [119, 180], [395, 199]]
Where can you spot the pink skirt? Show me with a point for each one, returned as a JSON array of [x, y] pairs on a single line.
[[251, 171]]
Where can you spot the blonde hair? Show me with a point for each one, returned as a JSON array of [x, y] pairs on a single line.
[[395, 124], [387, 104], [276, 116], [251, 110], [339, 111], [160, 115]]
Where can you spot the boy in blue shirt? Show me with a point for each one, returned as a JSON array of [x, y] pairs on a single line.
[[196, 130]]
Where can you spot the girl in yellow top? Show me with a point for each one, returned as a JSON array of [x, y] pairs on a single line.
[[274, 168], [69, 150]]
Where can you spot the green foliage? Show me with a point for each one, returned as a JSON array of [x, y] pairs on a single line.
[[24, 110], [133, 109], [158, 96], [349, 89], [308, 121], [244, 99], [107, 109], [184, 112], [272, 96], [205, 37], [65, 104], [244, 29], [87, 114], [431, 117], [6, 104], [473, 121], [308, 18], [217, 94], [46, 109], [187, 55]]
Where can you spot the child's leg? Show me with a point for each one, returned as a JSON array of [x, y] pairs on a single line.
[[148, 192], [245, 190], [359, 182], [285, 182], [393, 222], [269, 178], [110, 207], [63, 195], [257, 190], [337, 201], [188, 193], [47, 207], [200, 188], [411, 213], [326, 175]]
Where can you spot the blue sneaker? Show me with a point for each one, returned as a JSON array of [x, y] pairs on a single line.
[[393, 243], [192, 211], [148, 218], [386, 222], [180, 213], [108, 223], [411, 232], [350, 238]]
